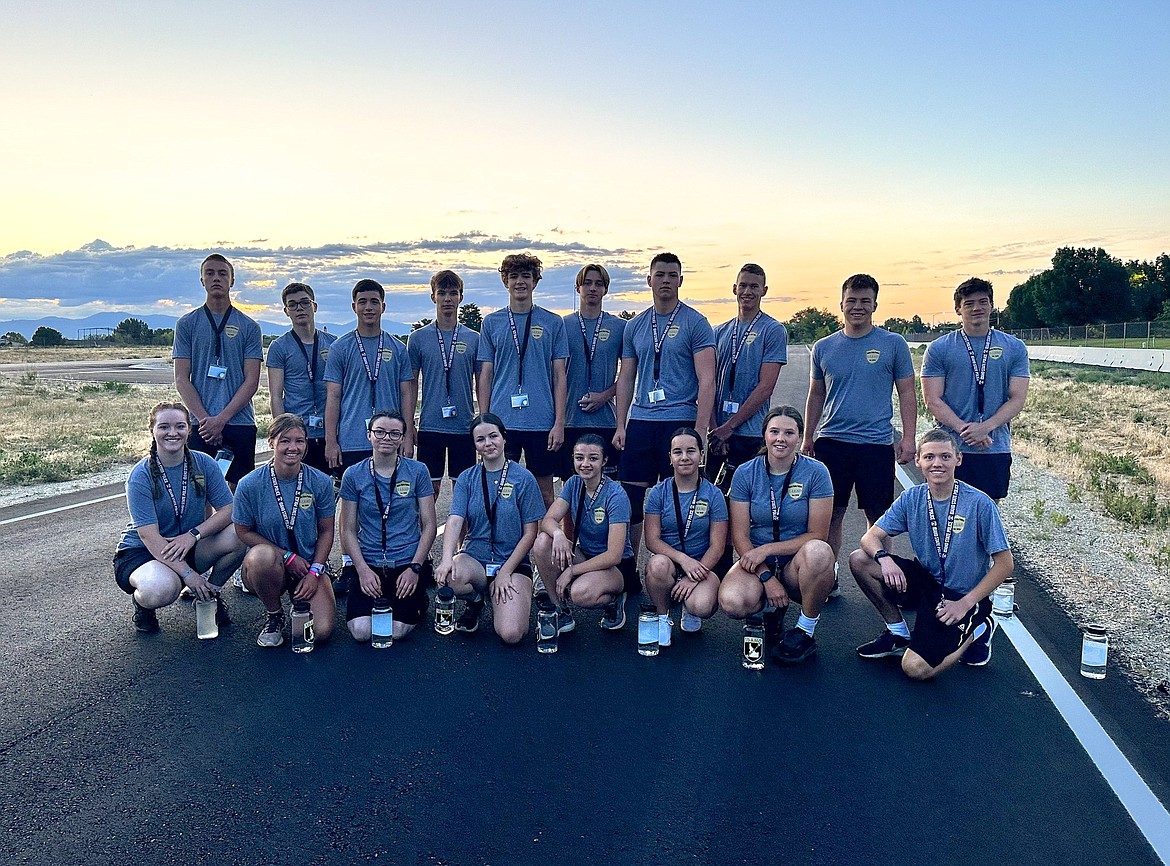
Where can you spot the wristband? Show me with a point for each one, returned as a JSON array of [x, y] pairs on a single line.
[[317, 568], [289, 556]]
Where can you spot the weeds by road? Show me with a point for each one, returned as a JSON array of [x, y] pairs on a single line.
[[59, 354]]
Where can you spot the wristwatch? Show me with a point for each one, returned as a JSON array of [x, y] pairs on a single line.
[[416, 567], [195, 532], [882, 553]]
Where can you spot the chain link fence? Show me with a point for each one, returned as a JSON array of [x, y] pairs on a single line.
[[1119, 335]]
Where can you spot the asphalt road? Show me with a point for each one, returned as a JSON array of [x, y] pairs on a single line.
[[452, 750], [142, 371]]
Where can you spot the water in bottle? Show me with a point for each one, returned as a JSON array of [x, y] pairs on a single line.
[[1094, 652], [445, 610], [205, 624], [224, 458], [546, 624], [753, 643], [382, 624], [1003, 599], [648, 630], [302, 627]]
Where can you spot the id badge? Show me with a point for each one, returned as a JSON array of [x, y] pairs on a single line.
[[448, 411], [658, 395], [216, 372], [316, 421], [492, 569], [730, 407], [519, 401]]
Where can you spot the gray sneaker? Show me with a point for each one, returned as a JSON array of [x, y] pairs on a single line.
[[565, 621], [614, 614], [238, 582], [272, 635]]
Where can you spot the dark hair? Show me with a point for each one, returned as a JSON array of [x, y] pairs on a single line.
[[216, 257], [973, 286], [591, 439], [860, 282], [446, 280], [782, 412], [284, 422], [487, 418], [155, 464], [669, 258], [592, 267], [939, 434], [369, 286], [752, 269], [392, 414], [688, 431], [293, 288], [520, 262]]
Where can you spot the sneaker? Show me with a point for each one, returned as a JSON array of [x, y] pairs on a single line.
[[468, 621], [690, 622], [613, 616], [885, 644], [835, 592], [774, 626], [665, 625], [222, 617], [145, 619], [565, 621], [272, 635], [340, 587], [796, 645], [979, 653], [238, 581]]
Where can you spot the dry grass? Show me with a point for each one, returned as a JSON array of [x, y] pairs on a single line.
[[26, 355]]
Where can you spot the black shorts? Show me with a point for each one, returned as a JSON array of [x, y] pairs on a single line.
[[572, 434], [410, 610], [130, 559], [869, 468], [990, 473], [241, 438], [352, 458], [315, 457], [721, 567], [930, 638], [631, 583], [453, 452], [537, 458], [740, 449], [646, 459]]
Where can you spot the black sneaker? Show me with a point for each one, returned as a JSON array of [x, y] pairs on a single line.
[[468, 621], [565, 621], [613, 615], [796, 645], [774, 626], [979, 653], [222, 617], [145, 619], [885, 644]]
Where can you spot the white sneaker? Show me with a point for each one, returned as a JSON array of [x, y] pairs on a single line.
[[690, 622], [665, 624]]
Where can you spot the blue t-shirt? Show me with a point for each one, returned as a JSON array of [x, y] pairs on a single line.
[[710, 507], [240, 341], [859, 375], [497, 346], [1007, 358], [256, 507], [412, 484], [358, 401], [764, 342], [517, 502], [810, 480], [460, 346], [976, 534], [304, 376], [585, 377], [611, 506], [151, 504], [689, 334]]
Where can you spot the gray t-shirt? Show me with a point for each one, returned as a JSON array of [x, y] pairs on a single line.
[[239, 340], [702, 506], [256, 507], [602, 338], [498, 341], [680, 340], [360, 397], [303, 366], [750, 344], [412, 484], [609, 505], [859, 375], [151, 503], [436, 352], [809, 480]]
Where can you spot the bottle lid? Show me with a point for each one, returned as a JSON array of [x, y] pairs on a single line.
[[445, 593], [1095, 628], [301, 606]]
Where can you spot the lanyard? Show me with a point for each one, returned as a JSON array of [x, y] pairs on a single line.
[[218, 329], [777, 505], [289, 521], [684, 529], [491, 508], [384, 509], [737, 346], [372, 375], [521, 347], [311, 366], [448, 358], [942, 545], [581, 509], [979, 368], [657, 341], [180, 504], [590, 347]]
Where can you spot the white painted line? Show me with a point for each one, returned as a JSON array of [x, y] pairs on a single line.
[[61, 508]]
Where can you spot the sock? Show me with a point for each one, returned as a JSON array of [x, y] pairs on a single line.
[[807, 624], [899, 628]]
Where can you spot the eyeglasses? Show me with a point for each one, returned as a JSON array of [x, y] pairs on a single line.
[[393, 435], [298, 305]]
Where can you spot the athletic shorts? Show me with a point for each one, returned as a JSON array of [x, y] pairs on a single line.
[[410, 610], [537, 458], [572, 434], [524, 569], [646, 459], [452, 452], [740, 449], [721, 567], [315, 457], [241, 438], [352, 458], [990, 473], [869, 468], [930, 638], [130, 559]]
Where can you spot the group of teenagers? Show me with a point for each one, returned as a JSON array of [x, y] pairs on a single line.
[[660, 427]]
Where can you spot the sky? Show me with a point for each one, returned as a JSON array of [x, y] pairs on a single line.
[[920, 142]]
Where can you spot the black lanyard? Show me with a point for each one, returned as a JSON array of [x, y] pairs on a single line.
[[659, 341], [289, 520], [180, 504], [310, 365], [581, 510], [684, 529], [777, 505], [737, 346], [590, 347], [521, 347], [447, 358], [218, 329], [942, 545], [979, 368], [384, 509], [491, 508], [372, 375]]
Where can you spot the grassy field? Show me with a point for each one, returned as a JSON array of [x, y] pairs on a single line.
[[27, 355]]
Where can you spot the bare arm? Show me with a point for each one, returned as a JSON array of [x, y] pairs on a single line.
[[908, 410], [814, 406], [332, 423], [625, 396], [932, 395], [705, 370], [408, 399], [483, 386], [186, 389], [556, 436], [276, 392], [1002, 565], [611, 557], [760, 396]]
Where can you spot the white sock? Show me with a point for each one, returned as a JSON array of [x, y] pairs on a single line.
[[899, 628], [807, 624]]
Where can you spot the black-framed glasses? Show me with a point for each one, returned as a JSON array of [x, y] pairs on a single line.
[[299, 305], [393, 435]]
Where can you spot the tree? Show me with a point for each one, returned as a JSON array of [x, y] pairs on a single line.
[[898, 326], [16, 338], [1149, 284], [133, 331], [1020, 311], [163, 337], [421, 323], [810, 324], [626, 314], [47, 337], [470, 316], [1083, 285]]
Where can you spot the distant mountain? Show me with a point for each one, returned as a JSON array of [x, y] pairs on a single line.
[[71, 328]]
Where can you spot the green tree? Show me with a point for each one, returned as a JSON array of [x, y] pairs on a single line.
[[44, 336], [627, 314], [163, 337], [133, 331], [898, 326], [810, 324], [421, 323], [1083, 285], [1149, 284], [16, 338], [470, 316], [1020, 311]]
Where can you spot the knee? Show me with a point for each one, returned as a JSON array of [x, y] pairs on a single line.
[[542, 548], [359, 628], [157, 588], [859, 562], [819, 556], [916, 668], [733, 602], [402, 629], [511, 635], [659, 569]]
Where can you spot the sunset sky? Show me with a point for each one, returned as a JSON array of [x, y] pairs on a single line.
[[921, 142]]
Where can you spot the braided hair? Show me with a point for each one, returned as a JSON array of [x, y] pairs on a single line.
[[155, 464]]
